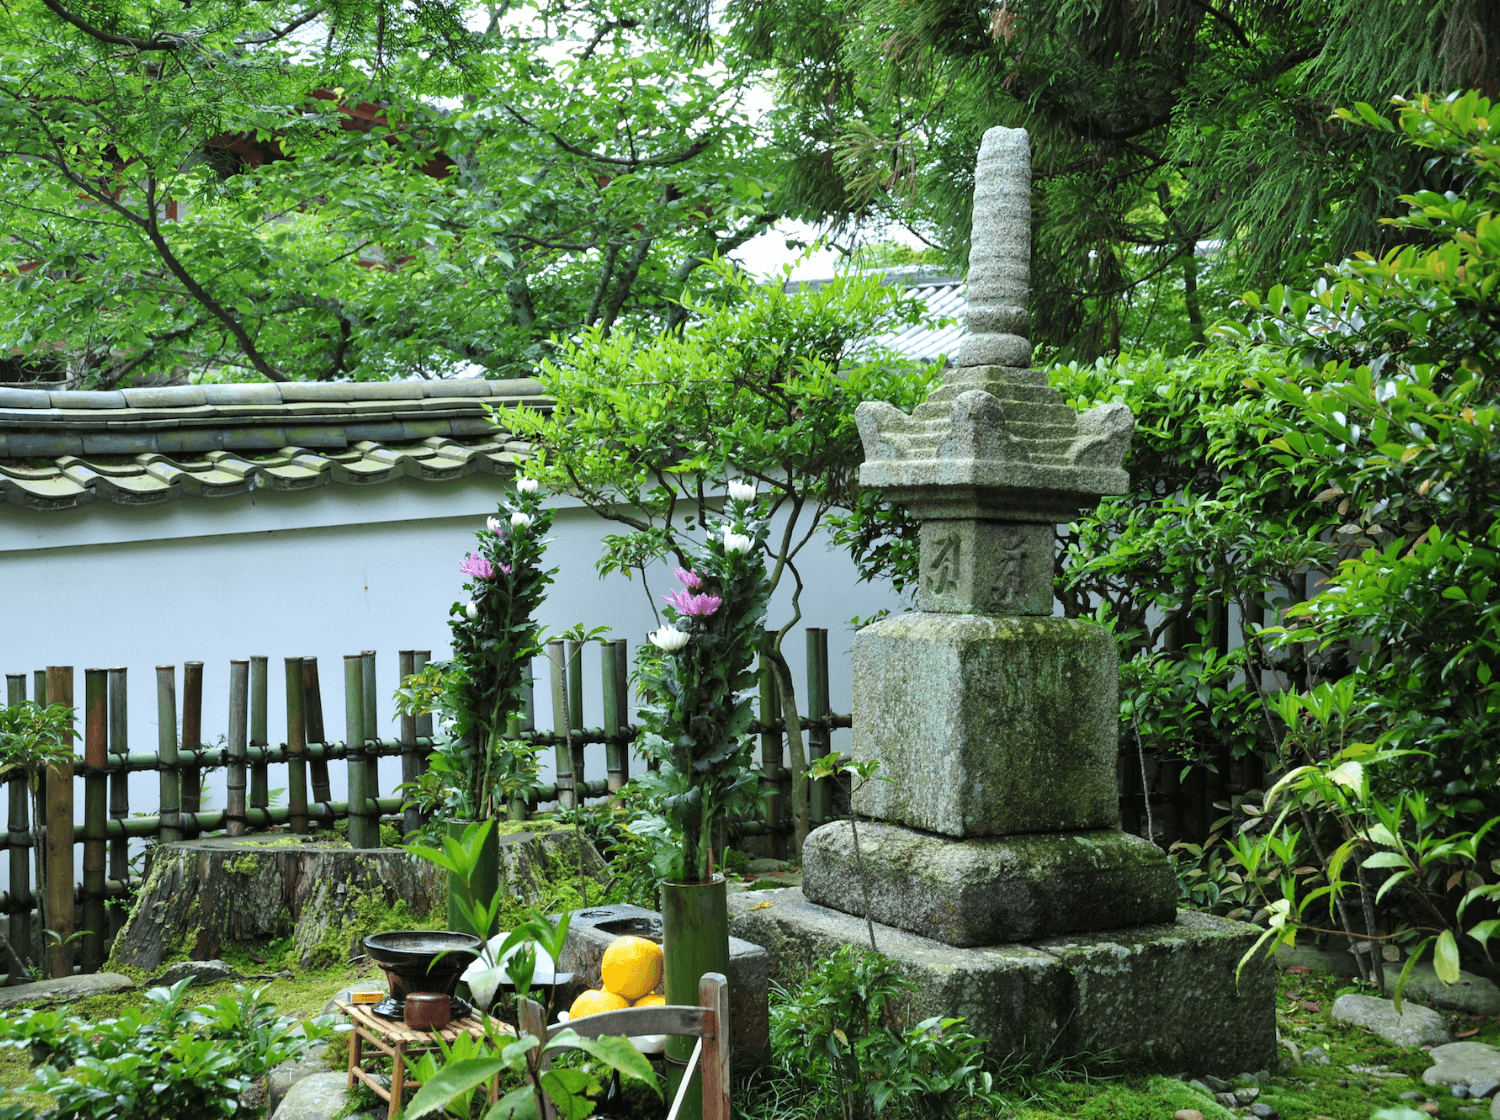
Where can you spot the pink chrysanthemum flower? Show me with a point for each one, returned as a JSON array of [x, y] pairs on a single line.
[[477, 566], [694, 606], [690, 579]]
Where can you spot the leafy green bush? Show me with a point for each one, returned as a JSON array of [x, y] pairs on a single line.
[[160, 1062], [836, 1039]]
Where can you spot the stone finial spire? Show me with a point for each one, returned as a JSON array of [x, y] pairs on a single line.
[[994, 458]]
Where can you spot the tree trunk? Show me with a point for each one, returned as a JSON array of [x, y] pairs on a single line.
[[202, 895]]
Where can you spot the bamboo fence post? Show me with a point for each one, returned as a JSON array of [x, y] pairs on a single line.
[[58, 844], [819, 738], [615, 749], [411, 762], [419, 661], [18, 836], [620, 651], [192, 735], [770, 753], [354, 741], [527, 722], [575, 717], [296, 747], [260, 793], [39, 686], [372, 746], [119, 788], [95, 830], [170, 829], [561, 753], [235, 823], [515, 808], [312, 707]]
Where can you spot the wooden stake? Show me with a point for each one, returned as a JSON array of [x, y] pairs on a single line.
[[239, 716], [770, 754], [95, 793], [18, 829], [166, 754], [296, 746], [192, 738], [561, 754], [354, 742], [119, 788], [259, 782], [58, 845]]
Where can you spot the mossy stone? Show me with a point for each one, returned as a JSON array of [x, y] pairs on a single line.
[[987, 726], [991, 890]]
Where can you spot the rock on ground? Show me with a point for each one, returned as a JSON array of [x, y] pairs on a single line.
[[1472, 995], [1332, 962], [320, 1096], [63, 990], [1474, 1065], [280, 1080], [202, 972], [1415, 1026]]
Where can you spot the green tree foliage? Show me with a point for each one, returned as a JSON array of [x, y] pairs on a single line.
[[368, 189], [1154, 126], [647, 428], [1341, 451]]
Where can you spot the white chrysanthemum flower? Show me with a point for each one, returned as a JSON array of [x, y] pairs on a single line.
[[525, 486], [519, 520], [668, 639], [493, 525], [735, 542], [741, 490], [471, 609]]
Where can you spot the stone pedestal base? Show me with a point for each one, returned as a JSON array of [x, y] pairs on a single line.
[[991, 891], [1163, 994]]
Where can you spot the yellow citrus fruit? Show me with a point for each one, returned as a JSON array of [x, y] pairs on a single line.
[[650, 1001], [631, 966], [592, 1002]]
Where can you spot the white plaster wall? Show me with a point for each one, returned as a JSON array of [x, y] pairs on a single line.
[[324, 573]]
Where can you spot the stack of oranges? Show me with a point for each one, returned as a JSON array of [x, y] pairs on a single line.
[[631, 968]]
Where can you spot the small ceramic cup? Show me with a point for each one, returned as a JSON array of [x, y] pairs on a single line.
[[428, 1011]]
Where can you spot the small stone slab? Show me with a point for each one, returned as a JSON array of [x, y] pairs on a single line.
[[994, 890], [1330, 962], [1415, 1026], [591, 931], [987, 726], [1474, 1065], [202, 972], [63, 990]]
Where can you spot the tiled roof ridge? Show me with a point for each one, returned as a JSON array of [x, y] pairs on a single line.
[[262, 394], [143, 446]]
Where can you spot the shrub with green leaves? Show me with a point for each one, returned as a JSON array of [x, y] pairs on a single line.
[[837, 1038], [163, 1061]]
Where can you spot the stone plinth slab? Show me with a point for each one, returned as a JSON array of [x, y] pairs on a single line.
[[591, 931], [993, 890], [987, 726], [1168, 994], [1163, 993], [1013, 997]]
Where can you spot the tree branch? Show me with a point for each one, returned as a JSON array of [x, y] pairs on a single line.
[[693, 149], [171, 43]]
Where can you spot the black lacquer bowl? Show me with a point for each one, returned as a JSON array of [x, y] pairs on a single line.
[[422, 960]]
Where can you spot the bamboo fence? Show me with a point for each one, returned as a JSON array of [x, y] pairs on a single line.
[[106, 762]]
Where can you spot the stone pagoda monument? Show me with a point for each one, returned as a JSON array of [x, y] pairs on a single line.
[[993, 859]]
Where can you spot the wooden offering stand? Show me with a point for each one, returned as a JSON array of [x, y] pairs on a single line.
[[397, 1041]]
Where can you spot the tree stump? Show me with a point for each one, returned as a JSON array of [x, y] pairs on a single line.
[[201, 895]]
